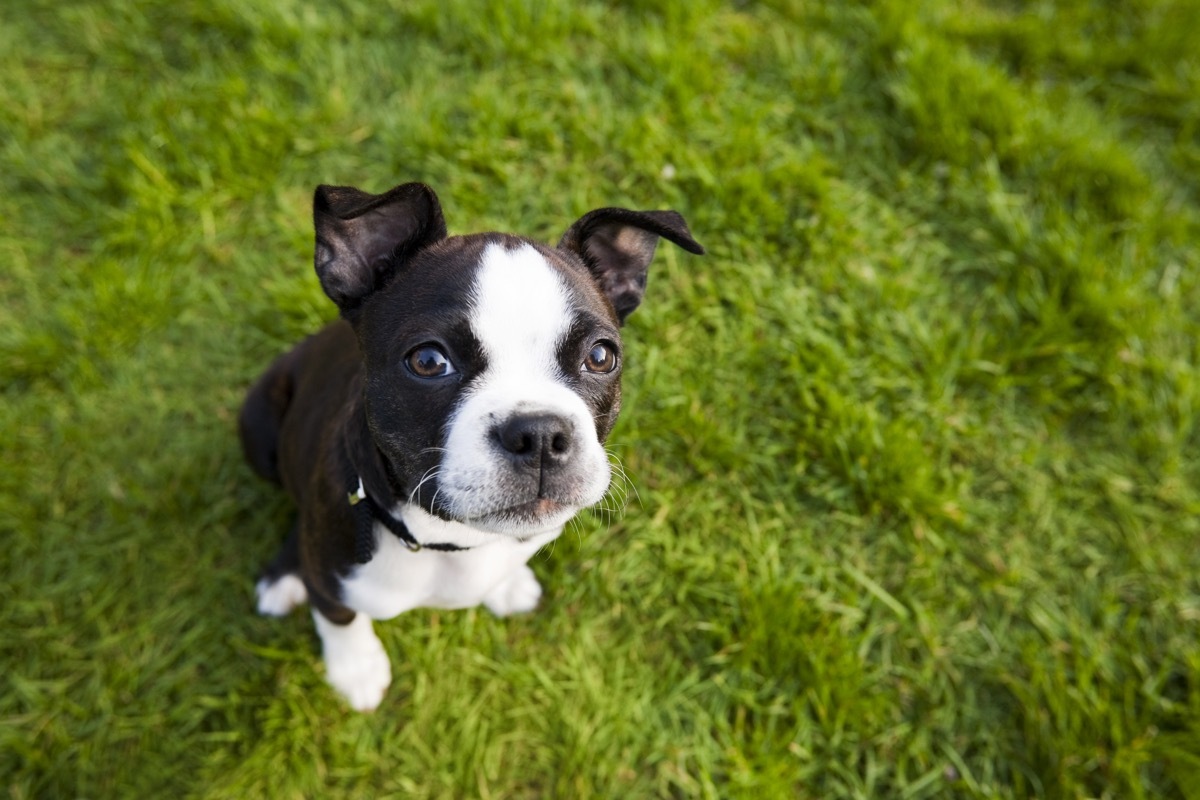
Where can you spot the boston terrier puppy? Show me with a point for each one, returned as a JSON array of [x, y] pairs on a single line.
[[453, 419]]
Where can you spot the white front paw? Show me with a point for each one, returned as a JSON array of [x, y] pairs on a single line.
[[518, 594], [361, 677], [356, 665], [278, 597]]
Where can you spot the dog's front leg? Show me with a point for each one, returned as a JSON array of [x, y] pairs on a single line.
[[518, 593], [356, 665]]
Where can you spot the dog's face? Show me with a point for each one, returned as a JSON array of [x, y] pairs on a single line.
[[493, 378], [493, 363]]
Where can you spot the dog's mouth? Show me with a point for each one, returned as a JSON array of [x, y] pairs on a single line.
[[534, 509], [539, 514]]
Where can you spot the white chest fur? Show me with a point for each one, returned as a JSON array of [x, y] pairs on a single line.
[[397, 579]]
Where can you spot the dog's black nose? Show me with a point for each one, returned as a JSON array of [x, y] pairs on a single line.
[[534, 440]]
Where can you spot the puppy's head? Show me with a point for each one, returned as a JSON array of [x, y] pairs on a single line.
[[493, 363]]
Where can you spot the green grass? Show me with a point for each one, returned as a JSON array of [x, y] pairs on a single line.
[[915, 445]]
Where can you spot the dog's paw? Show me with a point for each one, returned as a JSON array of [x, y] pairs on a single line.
[[276, 598], [356, 665], [518, 594], [362, 677]]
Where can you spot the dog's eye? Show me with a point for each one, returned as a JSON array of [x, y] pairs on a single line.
[[602, 358], [428, 361]]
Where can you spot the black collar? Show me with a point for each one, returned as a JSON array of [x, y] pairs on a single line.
[[368, 511]]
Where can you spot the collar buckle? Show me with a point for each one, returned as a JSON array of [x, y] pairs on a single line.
[[358, 495]]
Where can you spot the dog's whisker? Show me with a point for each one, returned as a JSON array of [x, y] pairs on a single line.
[[575, 525], [621, 483], [430, 474], [427, 474], [618, 491], [629, 487], [616, 499]]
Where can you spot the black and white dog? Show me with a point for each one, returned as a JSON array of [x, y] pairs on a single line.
[[450, 423]]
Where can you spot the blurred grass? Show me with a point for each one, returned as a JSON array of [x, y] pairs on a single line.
[[914, 445]]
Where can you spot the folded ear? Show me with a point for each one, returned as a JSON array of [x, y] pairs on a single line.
[[617, 245], [363, 238]]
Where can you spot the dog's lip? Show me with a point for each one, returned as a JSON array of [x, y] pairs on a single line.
[[538, 507], [531, 512]]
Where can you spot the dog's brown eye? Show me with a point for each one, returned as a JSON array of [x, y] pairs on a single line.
[[427, 361], [602, 358]]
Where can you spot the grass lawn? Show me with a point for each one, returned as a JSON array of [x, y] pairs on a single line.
[[915, 447]]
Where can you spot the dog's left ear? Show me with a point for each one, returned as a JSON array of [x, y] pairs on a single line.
[[363, 238], [617, 245]]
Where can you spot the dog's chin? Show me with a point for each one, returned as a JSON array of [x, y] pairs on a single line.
[[524, 519]]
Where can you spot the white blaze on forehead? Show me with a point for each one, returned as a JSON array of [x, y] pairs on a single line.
[[521, 311]]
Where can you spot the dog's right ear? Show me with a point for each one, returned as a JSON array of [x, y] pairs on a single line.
[[362, 238]]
